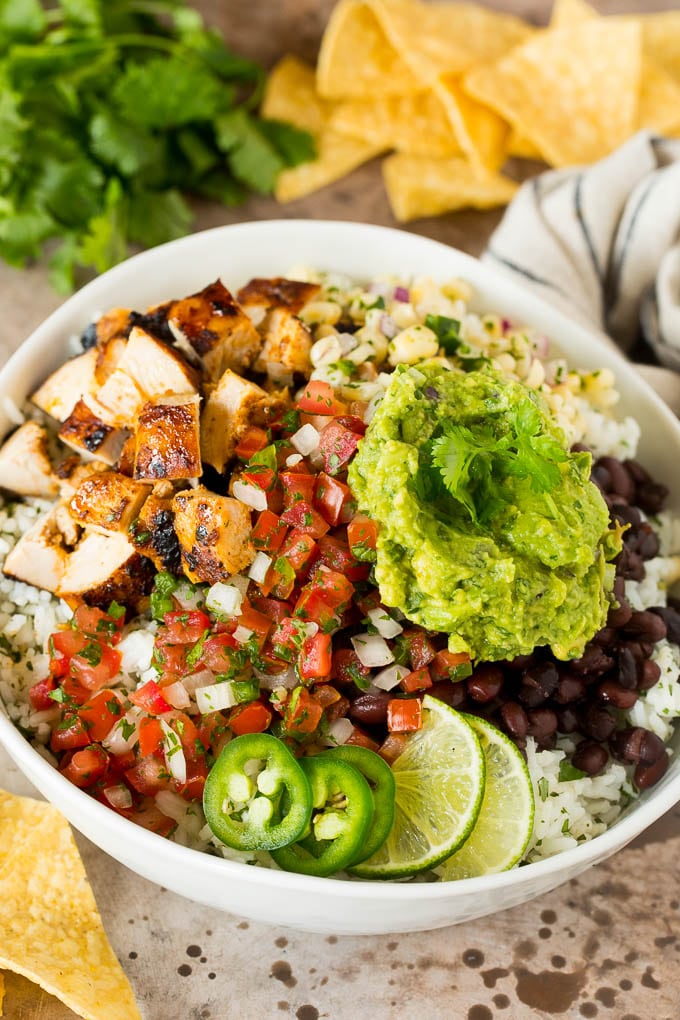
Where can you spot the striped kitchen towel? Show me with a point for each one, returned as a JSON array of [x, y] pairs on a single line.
[[603, 244]]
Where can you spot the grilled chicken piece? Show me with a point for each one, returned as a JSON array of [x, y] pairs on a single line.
[[104, 568], [109, 354], [74, 380], [126, 461], [112, 324], [119, 401], [167, 443], [213, 533], [89, 436], [25, 466], [108, 502], [40, 556], [233, 405], [156, 368], [72, 471], [154, 533], [215, 327], [276, 293], [287, 346]]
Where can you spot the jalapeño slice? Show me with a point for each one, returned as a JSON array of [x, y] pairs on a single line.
[[380, 778]]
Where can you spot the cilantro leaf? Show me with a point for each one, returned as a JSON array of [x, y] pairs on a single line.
[[157, 216], [252, 158], [447, 330], [166, 92], [121, 146], [293, 145]]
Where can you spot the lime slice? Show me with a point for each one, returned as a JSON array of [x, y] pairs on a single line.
[[439, 779], [505, 823]]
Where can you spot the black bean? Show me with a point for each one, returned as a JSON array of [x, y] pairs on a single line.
[[621, 479], [521, 662], [601, 477], [605, 637], [629, 565], [453, 694], [485, 683], [597, 722], [530, 696], [626, 514], [589, 757], [626, 668], [592, 663], [370, 709], [636, 745], [647, 542], [651, 497], [570, 688], [567, 720], [647, 775], [88, 338], [619, 615], [580, 448], [514, 719], [671, 617], [614, 694], [646, 626], [638, 473], [542, 723], [648, 673]]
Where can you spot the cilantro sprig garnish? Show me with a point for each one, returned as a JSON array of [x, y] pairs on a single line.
[[473, 461], [111, 112]]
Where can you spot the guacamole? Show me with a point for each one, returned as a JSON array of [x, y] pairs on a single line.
[[490, 529]]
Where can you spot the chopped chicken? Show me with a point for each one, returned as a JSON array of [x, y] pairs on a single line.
[[156, 368], [104, 568], [72, 471], [119, 401], [40, 556], [70, 530], [108, 502], [277, 293], [215, 327], [114, 323], [167, 442], [126, 461], [213, 533], [109, 354], [233, 405], [287, 346], [61, 391], [155, 532], [25, 466], [88, 435]]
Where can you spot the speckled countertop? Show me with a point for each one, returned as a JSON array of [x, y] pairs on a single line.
[[606, 945]]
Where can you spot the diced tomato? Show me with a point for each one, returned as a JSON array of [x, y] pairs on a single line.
[[68, 642], [336, 554], [86, 767], [152, 818], [273, 609], [75, 692], [354, 423], [420, 648], [288, 637], [184, 627], [450, 666], [259, 475], [268, 532], [315, 657], [362, 739], [59, 666], [252, 441], [260, 624], [150, 736], [303, 517], [418, 680], [326, 694], [212, 731], [302, 713], [404, 715], [337, 445], [297, 488], [369, 600], [39, 694], [197, 773], [189, 735], [96, 665], [150, 697], [300, 550], [251, 718], [100, 713], [68, 734], [172, 659], [335, 588], [96, 623], [313, 606], [149, 775], [218, 653], [319, 397], [392, 746], [347, 669], [331, 498], [362, 534]]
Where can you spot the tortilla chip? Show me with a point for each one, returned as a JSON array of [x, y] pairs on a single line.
[[357, 60], [481, 133], [522, 147], [428, 187], [417, 124], [661, 39], [447, 38], [50, 929], [572, 92], [566, 13], [2, 993]]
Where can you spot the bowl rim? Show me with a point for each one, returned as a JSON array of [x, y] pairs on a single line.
[[75, 802]]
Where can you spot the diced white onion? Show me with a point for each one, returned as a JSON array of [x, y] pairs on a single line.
[[340, 730], [203, 678], [253, 497], [242, 635], [259, 567], [115, 742], [224, 599], [388, 678], [238, 581], [270, 681], [136, 650], [188, 596], [173, 753], [417, 376], [215, 698], [305, 440], [294, 459], [176, 695], [383, 623], [372, 650], [118, 796]]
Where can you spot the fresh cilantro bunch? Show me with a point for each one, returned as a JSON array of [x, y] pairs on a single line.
[[474, 462], [111, 111]]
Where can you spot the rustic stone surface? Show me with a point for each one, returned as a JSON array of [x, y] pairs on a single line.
[[606, 945]]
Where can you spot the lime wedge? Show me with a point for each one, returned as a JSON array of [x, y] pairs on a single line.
[[439, 779], [505, 823]]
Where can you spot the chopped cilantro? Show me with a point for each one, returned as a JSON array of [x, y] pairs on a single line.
[[569, 772], [543, 788], [447, 330]]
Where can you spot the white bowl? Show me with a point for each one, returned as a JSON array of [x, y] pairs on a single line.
[[235, 254]]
